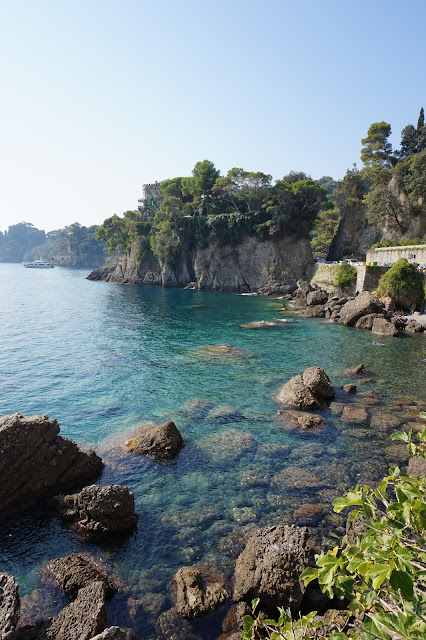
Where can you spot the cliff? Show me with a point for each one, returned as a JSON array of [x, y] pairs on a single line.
[[273, 265]]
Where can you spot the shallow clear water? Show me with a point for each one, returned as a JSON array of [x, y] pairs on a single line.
[[102, 358]]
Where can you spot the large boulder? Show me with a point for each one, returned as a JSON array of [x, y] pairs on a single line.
[[381, 327], [99, 510], [78, 570], [198, 590], [296, 394], [312, 390], [365, 303], [9, 606], [317, 381], [84, 618], [316, 297], [159, 441], [269, 568], [35, 460], [366, 322], [417, 467]]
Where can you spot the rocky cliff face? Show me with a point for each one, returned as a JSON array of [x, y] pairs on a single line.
[[274, 265]]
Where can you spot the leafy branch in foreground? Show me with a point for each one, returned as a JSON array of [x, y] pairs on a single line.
[[382, 574]]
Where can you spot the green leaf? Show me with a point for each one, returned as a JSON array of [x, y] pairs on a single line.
[[308, 575], [401, 436], [378, 573], [254, 604], [352, 499], [402, 581]]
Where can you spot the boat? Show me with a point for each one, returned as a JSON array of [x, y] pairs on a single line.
[[38, 264]]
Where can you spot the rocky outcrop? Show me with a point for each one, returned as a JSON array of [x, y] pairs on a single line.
[[76, 571], [273, 265], [269, 568], [84, 618], [316, 297], [198, 590], [381, 327], [417, 467], [365, 303], [35, 460], [9, 606], [312, 390], [98, 511], [159, 441]]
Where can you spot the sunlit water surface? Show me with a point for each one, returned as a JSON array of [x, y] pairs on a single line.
[[101, 358]]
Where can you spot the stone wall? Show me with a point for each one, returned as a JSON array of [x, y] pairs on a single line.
[[388, 255], [367, 278]]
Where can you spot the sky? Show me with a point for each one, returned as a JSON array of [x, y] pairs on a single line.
[[102, 96]]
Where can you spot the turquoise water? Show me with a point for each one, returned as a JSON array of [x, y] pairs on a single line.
[[102, 358]]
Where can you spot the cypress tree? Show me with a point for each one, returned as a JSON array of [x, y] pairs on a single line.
[[421, 120]]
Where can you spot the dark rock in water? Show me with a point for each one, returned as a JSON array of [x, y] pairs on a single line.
[[9, 606], [308, 514], [305, 421], [366, 322], [160, 441], [269, 568], [382, 327], [76, 571], [312, 390], [197, 408], [84, 618], [349, 388], [354, 413], [359, 370], [225, 414], [171, 626], [296, 478], [36, 461], [198, 590], [98, 510], [365, 303], [317, 381], [417, 467]]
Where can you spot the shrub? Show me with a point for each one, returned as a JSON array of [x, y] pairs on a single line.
[[345, 276], [403, 282]]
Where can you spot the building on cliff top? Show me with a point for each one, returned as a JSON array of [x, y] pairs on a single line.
[[150, 194]]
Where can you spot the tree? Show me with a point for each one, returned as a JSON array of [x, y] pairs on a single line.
[[409, 141], [325, 227], [200, 185], [114, 232], [377, 150], [421, 120], [244, 190]]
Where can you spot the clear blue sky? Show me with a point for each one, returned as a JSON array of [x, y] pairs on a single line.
[[100, 96]]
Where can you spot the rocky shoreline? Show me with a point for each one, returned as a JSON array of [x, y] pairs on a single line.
[[75, 592]]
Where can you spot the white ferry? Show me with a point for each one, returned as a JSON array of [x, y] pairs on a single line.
[[38, 264]]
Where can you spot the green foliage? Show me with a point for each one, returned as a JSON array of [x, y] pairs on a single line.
[[402, 280], [400, 242], [382, 575], [325, 227], [345, 276], [376, 153], [18, 240]]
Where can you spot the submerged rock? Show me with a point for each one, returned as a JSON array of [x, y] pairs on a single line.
[[305, 421], [36, 461], [78, 570], [9, 606], [198, 590], [354, 413], [269, 568], [260, 324], [98, 510], [225, 352], [159, 441]]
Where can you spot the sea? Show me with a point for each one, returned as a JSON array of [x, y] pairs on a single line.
[[104, 359]]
